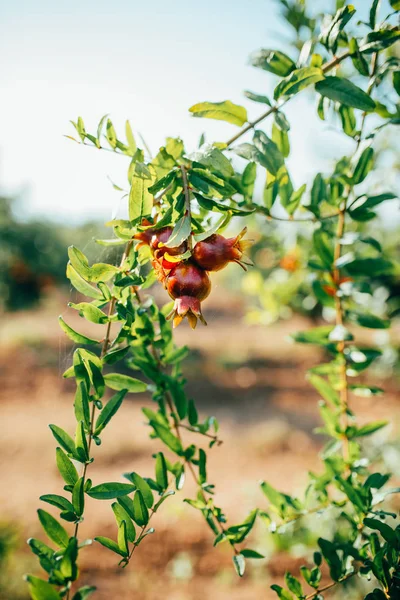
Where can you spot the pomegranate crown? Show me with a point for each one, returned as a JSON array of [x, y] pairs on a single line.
[[189, 307]]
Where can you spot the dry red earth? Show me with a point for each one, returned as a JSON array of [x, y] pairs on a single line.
[[251, 379]]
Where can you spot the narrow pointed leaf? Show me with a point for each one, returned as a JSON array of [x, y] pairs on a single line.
[[52, 527]]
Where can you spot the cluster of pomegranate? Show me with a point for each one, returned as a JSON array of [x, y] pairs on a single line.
[[187, 281]]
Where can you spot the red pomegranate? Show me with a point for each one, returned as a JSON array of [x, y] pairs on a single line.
[[188, 285], [215, 252], [144, 237], [160, 237]]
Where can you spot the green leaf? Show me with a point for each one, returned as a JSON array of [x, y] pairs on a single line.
[[372, 13], [110, 544], [297, 81], [358, 59], [81, 405], [96, 377], [102, 272], [385, 530], [364, 166], [352, 494], [90, 312], [143, 486], [348, 119], [162, 499], [395, 4], [202, 466], [215, 160], [84, 592], [223, 111], [119, 382], [365, 391], [180, 232], [81, 443], [378, 40], [127, 504], [81, 285], [66, 468], [272, 157], [345, 92], [73, 335], [323, 246], [372, 267], [370, 428], [123, 539], [140, 509], [122, 515], [161, 471], [239, 563], [281, 592], [318, 194], [130, 138], [370, 321], [330, 34], [63, 439], [324, 388], [192, 413], [108, 411], [167, 437], [371, 202], [248, 553], [140, 199], [52, 527], [108, 491], [376, 481], [114, 356], [43, 551], [273, 61], [311, 576], [41, 590], [79, 262], [248, 180], [331, 556], [281, 140], [58, 501], [292, 203], [78, 496], [174, 147], [257, 97], [396, 81], [317, 335], [98, 272], [294, 585], [277, 499], [110, 134]]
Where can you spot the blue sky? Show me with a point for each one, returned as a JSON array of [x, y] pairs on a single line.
[[146, 61]]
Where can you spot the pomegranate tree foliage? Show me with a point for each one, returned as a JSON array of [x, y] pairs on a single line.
[[179, 200]]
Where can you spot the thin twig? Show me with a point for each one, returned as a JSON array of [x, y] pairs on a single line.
[[215, 438], [264, 211], [329, 586], [325, 68]]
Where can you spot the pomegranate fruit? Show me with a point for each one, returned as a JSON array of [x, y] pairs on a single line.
[[188, 285], [144, 237], [216, 251], [161, 237]]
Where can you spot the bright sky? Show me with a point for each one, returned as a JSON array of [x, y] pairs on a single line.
[[146, 61]]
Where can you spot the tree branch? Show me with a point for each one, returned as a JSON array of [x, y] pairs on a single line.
[[325, 69]]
